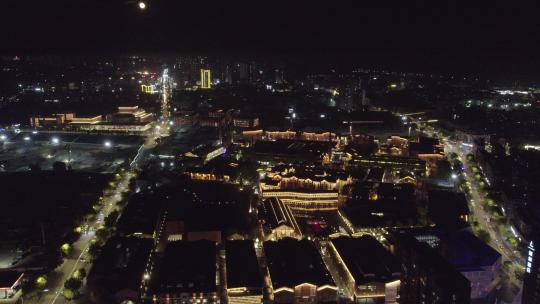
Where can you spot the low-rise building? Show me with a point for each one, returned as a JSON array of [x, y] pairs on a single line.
[[243, 276], [277, 220], [10, 286], [187, 273], [298, 273], [121, 270], [306, 200], [371, 273]]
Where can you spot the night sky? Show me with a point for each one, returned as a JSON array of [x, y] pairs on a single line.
[[418, 35]]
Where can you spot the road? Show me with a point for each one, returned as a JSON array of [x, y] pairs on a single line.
[[79, 249], [477, 203]]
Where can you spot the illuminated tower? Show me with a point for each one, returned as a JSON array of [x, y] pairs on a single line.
[[206, 79], [531, 282]]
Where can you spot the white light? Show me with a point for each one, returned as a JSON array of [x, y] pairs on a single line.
[[293, 115], [3, 137], [454, 176], [34, 132], [26, 138], [107, 144], [142, 5], [55, 140], [323, 116], [171, 123]]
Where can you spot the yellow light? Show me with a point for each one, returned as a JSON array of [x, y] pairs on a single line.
[[206, 79], [142, 5]]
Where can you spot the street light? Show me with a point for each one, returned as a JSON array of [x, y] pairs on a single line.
[[107, 143], [142, 5], [55, 140], [454, 176], [3, 137]]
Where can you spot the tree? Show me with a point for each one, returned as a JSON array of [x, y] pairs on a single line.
[[73, 284], [102, 234], [65, 248], [68, 294], [484, 235], [41, 281], [94, 250], [79, 274], [110, 219]]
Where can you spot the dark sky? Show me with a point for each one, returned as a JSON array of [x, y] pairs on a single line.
[[466, 35]]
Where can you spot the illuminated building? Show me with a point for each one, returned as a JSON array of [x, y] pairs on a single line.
[[531, 281], [254, 135], [305, 177], [275, 135], [289, 151], [63, 119], [186, 118], [130, 120], [246, 122], [150, 89], [298, 273], [306, 200], [206, 153], [398, 145], [86, 120], [277, 220], [10, 286], [54, 119], [206, 79], [371, 273], [117, 128], [134, 113]]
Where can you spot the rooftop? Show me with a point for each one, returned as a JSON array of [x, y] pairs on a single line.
[[121, 263], [292, 262], [367, 259], [242, 265], [187, 267]]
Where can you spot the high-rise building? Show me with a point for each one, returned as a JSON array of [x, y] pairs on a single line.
[[531, 280], [206, 79], [425, 276]]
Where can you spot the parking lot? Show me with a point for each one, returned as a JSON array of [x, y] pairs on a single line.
[[88, 152]]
